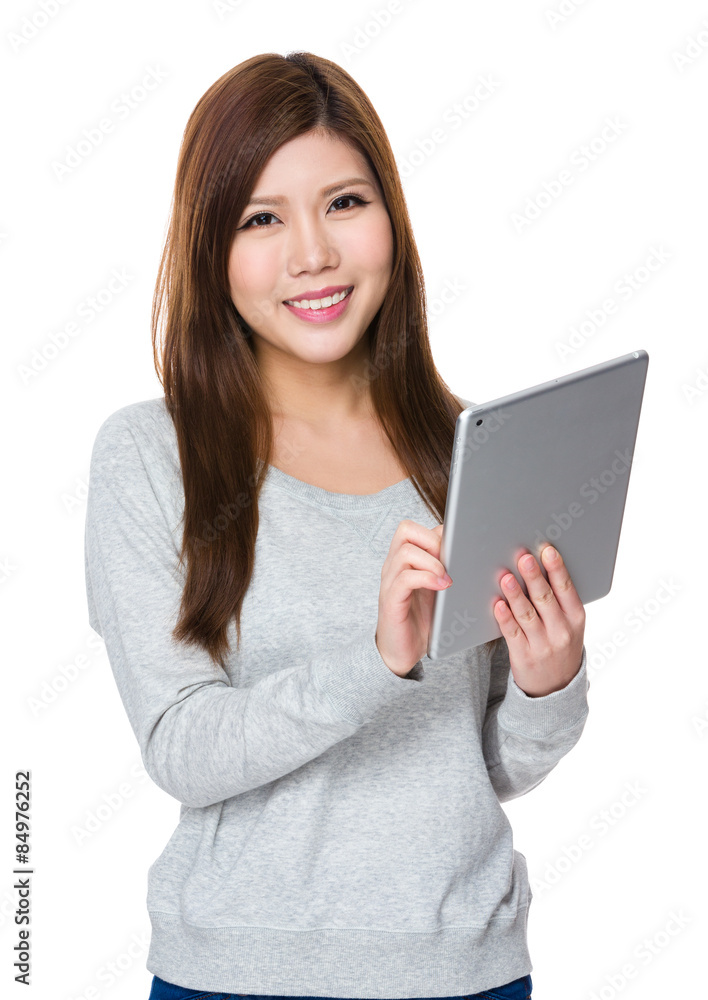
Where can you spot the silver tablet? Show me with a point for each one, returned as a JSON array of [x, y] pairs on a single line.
[[547, 464]]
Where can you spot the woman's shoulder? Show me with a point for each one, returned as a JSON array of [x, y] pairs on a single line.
[[143, 429], [142, 415], [134, 414]]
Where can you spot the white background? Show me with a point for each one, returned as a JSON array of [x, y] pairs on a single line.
[[603, 921]]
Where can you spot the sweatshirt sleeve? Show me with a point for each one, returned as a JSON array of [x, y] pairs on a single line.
[[523, 738], [201, 739]]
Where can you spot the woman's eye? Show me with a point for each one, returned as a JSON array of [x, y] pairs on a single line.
[[350, 197], [261, 215], [266, 215]]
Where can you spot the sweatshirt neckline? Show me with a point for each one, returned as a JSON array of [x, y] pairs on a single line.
[[340, 501]]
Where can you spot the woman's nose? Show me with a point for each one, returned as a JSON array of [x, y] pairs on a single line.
[[310, 245]]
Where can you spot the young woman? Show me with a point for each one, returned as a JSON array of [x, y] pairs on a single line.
[[262, 554]]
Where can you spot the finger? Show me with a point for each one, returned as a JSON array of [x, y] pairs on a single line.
[[563, 587], [429, 539], [411, 556], [402, 588], [510, 628], [521, 607], [540, 592]]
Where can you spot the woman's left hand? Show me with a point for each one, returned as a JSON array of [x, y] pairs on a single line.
[[544, 634]]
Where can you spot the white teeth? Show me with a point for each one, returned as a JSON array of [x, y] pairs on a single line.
[[328, 300]]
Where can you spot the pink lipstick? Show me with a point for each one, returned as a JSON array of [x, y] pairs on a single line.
[[326, 314]]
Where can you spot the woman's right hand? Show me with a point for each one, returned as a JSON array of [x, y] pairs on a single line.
[[409, 579]]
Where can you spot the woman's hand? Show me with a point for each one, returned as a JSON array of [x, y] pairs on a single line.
[[409, 582], [544, 634]]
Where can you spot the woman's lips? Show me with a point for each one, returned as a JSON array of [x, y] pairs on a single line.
[[321, 315]]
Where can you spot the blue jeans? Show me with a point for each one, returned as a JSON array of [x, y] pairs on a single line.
[[520, 989]]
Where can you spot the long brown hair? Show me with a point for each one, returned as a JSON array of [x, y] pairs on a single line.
[[206, 364]]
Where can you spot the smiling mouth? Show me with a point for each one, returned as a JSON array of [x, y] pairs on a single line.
[[320, 304]]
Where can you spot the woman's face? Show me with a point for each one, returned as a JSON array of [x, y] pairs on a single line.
[[311, 240]]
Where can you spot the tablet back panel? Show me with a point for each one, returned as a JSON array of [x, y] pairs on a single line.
[[546, 464]]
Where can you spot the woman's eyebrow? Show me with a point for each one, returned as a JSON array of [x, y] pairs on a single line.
[[267, 199]]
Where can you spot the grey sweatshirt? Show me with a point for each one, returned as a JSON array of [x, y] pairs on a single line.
[[340, 830]]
